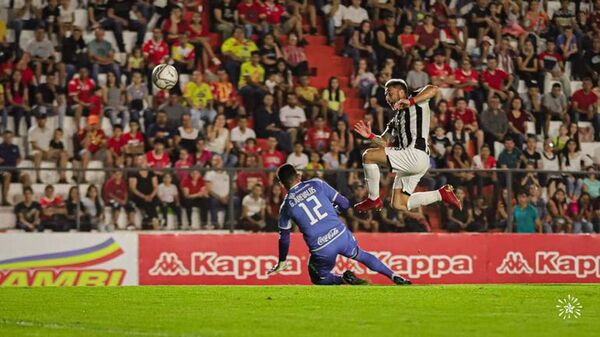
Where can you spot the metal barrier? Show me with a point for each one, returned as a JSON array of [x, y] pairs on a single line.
[[508, 175]]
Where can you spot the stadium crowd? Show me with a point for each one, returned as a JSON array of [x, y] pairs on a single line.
[[519, 89]]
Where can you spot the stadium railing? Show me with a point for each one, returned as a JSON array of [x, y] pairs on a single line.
[[506, 178]]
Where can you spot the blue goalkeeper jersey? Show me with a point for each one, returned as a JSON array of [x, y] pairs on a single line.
[[312, 206]]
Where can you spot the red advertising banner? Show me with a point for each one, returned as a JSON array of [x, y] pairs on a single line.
[[424, 258]]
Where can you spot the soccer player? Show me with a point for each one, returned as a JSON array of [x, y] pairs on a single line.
[[313, 206], [403, 147]]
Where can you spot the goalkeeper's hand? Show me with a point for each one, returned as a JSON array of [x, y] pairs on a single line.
[[281, 266]]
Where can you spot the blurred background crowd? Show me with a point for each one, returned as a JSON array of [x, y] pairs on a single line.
[[268, 82]]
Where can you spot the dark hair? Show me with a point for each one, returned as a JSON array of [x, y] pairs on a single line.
[[332, 96], [27, 189], [255, 53], [556, 85], [565, 150], [287, 175]]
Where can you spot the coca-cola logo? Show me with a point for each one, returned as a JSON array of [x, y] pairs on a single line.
[[328, 237]]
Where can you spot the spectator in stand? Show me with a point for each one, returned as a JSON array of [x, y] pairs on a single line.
[[267, 123], [219, 142], [530, 154], [494, 122], [353, 15], [114, 193], [168, 194], [270, 52], [143, 188], [387, 43], [80, 92], [558, 207], [224, 94], [364, 80], [582, 211], [39, 136], [156, 51], [319, 136], [440, 144], [199, 97], [555, 107], [274, 199], [460, 219], [508, 158], [361, 44], [517, 117], [532, 103], [440, 72], [41, 50], [133, 140], [118, 12], [467, 115], [536, 18], [183, 54], [28, 212], [458, 134], [553, 67], [137, 95], [272, 158], [184, 162], [174, 26], [453, 39], [294, 55], [335, 160], [53, 214], [308, 96], [25, 15], [505, 56], [17, 97], [116, 100], [93, 143], [202, 154], [186, 134], [591, 58], [298, 158], [102, 56], [292, 117], [199, 37], [361, 221], [457, 158], [160, 131], [251, 86], [74, 53], [481, 22], [157, 158], [584, 104], [525, 215], [94, 209], [226, 17], [573, 160], [218, 190], [175, 109], [334, 20], [195, 194], [248, 178], [241, 132], [333, 102], [417, 78], [496, 81], [248, 15], [253, 210], [591, 185], [272, 14], [466, 83], [527, 65], [237, 49], [10, 157], [429, 37], [485, 161]]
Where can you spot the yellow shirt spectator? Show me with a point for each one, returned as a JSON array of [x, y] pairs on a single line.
[[256, 73], [241, 49], [183, 53], [334, 102], [198, 93], [307, 93]]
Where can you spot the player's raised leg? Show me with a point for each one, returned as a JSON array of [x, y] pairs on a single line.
[[372, 158]]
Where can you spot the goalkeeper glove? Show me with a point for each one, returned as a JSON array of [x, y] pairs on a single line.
[[281, 266]]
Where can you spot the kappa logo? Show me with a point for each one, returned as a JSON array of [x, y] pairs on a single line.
[[240, 267], [514, 263], [551, 262], [168, 264], [415, 266]]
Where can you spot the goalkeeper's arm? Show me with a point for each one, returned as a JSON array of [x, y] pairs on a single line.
[[284, 247]]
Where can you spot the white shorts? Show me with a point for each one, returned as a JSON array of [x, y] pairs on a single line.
[[410, 165]]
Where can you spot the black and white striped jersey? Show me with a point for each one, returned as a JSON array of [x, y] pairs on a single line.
[[410, 126]]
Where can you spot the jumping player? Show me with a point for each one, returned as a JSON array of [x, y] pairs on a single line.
[[313, 206], [403, 147]]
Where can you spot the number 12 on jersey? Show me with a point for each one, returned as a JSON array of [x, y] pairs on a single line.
[[313, 215]]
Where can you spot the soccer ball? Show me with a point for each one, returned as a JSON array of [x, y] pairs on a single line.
[[164, 76]]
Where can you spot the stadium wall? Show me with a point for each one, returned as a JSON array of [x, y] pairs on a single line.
[[77, 259]]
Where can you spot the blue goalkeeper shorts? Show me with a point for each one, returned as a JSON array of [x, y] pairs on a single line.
[[322, 260]]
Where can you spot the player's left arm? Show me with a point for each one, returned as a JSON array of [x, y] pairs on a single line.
[[339, 201], [426, 93], [285, 226]]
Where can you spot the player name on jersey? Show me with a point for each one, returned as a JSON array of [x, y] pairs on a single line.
[[298, 197]]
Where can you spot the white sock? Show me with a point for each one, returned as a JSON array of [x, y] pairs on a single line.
[[372, 176], [423, 198]]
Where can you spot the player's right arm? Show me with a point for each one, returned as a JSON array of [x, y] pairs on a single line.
[[364, 129], [339, 201]]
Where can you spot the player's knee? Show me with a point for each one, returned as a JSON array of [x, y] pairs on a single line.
[[400, 204], [369, 156]]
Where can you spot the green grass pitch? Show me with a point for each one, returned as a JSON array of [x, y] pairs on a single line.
[[471, 310]]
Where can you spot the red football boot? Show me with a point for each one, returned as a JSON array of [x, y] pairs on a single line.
[[368, 204], [448, 196]]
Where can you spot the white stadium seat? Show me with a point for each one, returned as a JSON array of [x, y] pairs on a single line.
[[530, 127], [81, 18], [553, 129], [102, 78], [129, 39], [95, 177], [9, 220], [26, 36], [576, 85], [471, 45], [48, 174]]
